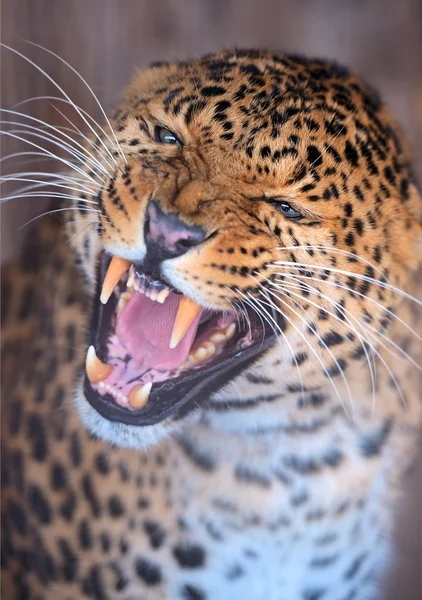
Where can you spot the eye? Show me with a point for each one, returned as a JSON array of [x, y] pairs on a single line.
[[288, 211], [164, 136]]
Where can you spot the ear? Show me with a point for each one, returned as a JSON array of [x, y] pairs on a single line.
[[147, 79]]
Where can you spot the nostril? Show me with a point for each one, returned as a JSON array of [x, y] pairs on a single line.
[[187, 243], [168, 232]]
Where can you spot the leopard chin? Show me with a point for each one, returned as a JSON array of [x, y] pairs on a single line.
[[155, 355]]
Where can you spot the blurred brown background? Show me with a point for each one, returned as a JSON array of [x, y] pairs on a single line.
[[106, 40]]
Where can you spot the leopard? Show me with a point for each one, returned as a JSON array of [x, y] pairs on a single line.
[[211, 357]]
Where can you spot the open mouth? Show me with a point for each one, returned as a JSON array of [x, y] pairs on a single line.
[[154, 352]]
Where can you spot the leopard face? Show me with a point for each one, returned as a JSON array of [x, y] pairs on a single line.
[[251, 214]]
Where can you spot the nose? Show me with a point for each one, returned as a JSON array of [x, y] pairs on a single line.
[[166, 235]]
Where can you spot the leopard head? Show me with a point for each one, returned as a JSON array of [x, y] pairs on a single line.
[[249, 214]]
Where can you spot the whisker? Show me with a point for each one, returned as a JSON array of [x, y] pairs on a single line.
[[76, 130], [54, 156], [257, 312], [338, 366], [61, 90], [50, 138], [56, 183], [273, 323], [353, 255], [51, 212], [89, 89], [49, 195], [90, 156], [90, 224], [362, 340], [355, 292], [86, 114], [382, 284], [35, 160], [243, 313], [365, 340]]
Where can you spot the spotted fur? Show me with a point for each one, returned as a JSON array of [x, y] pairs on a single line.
[[281, 485]]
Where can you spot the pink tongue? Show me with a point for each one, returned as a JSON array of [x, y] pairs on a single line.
[[145, 327]]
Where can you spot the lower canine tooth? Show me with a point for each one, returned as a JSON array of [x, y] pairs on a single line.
[[162, 296], [139, 395], [123, 300], [95, 369]]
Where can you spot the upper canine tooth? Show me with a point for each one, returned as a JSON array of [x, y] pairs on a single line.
[[117, 267], [139, 394], [95, 368], [187, 312]]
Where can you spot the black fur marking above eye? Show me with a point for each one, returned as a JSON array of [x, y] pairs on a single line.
[[351, 154], [314, 156], [212, 90]]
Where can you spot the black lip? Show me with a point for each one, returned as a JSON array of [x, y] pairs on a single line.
[[174, 397]]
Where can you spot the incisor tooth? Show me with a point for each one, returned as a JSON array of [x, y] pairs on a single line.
[[95, 368], [187, 312], [139, 394], [131, 278], [117, 267]]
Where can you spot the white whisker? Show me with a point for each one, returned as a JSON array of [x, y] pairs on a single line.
[[382, 284], [51, 139], [355, 292], [76, 130], [51, 212], [61, 90], [89, 89], [273, 324], [55, 183], [365, 340], [338, 366], [54, 156], [48, 195], [84, 152]]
